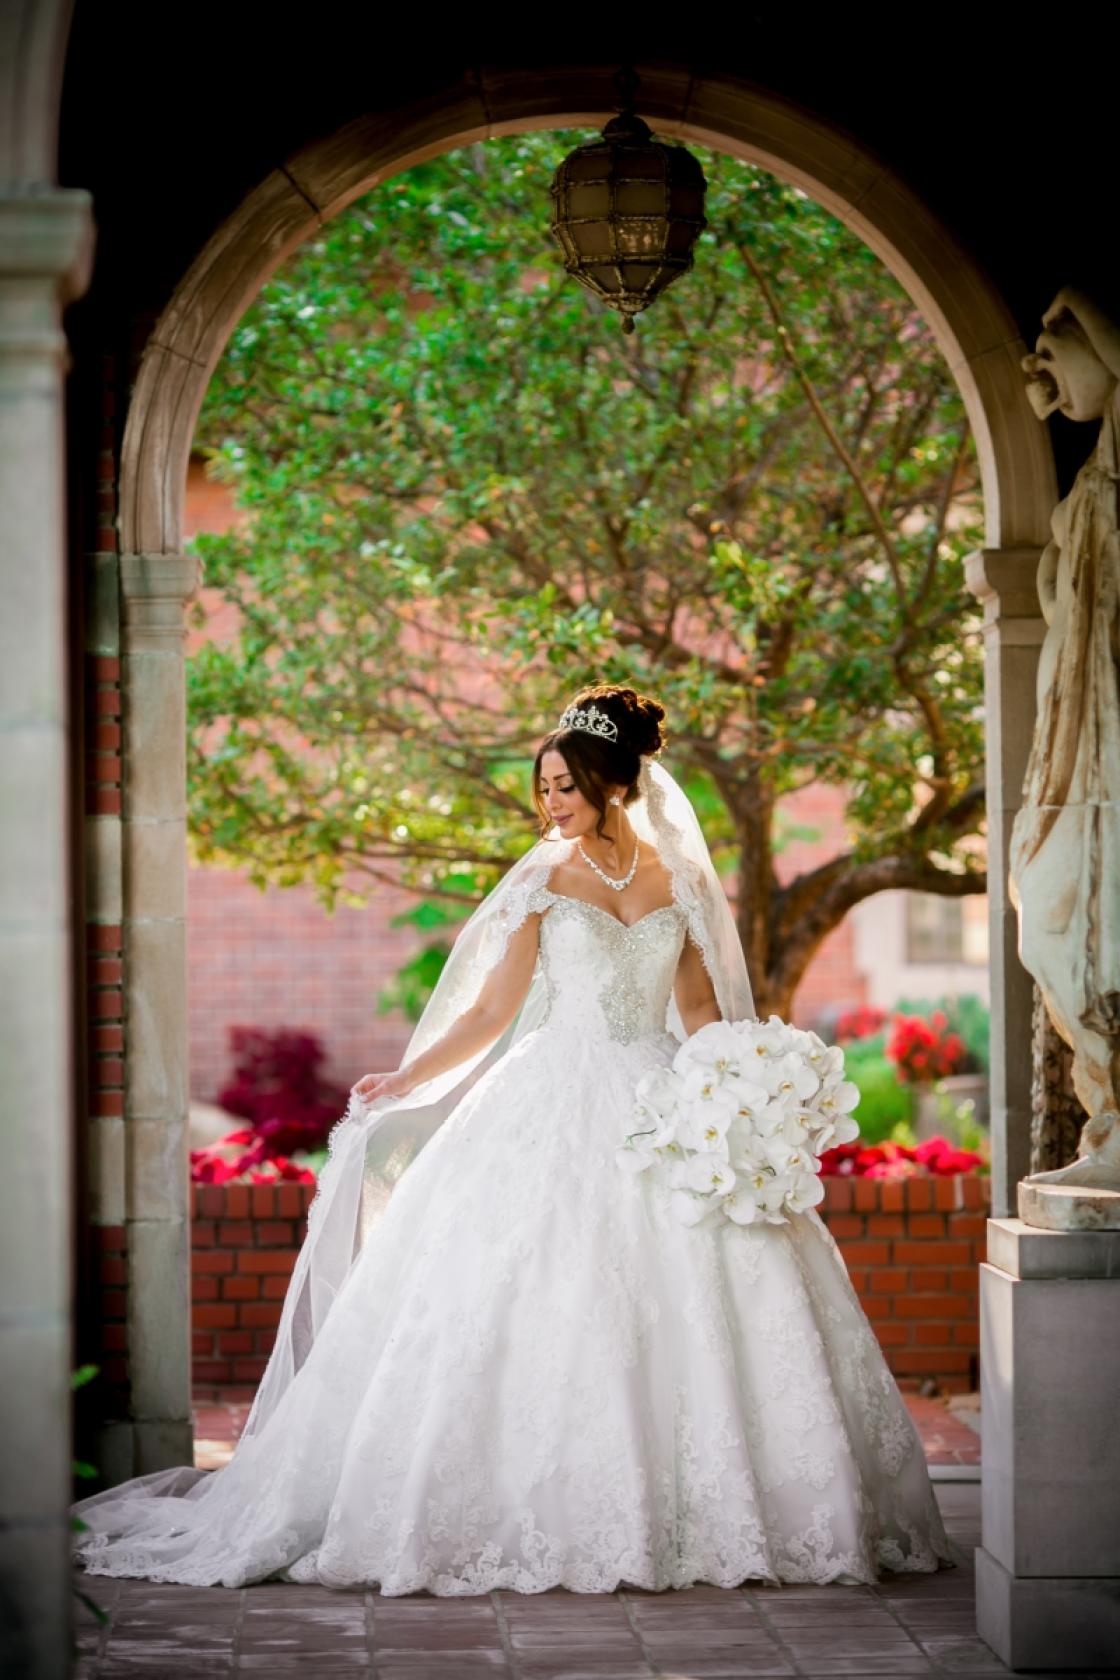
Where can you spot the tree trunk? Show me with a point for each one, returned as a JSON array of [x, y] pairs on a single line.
[[1056, 1115], [752, 809]]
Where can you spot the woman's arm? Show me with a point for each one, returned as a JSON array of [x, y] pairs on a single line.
[[693, 989], [501, 997]]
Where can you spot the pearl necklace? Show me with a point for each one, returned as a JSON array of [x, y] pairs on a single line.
[[616, 886]]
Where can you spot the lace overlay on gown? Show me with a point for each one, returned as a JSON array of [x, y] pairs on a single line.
[[535, 1376]]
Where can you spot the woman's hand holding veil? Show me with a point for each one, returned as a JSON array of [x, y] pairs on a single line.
[[376, 1085]]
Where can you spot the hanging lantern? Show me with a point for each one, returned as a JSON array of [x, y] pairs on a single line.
[[627, 211]]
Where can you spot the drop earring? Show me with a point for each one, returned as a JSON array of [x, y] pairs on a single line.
[[615, 800]]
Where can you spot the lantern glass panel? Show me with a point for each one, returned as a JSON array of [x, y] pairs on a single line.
[[643, 164], [638, 238], [591, 198], [590, 165], [593, 239], [640, 198]]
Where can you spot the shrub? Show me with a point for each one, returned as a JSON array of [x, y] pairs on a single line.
[[884, 1103], [278, 1088]]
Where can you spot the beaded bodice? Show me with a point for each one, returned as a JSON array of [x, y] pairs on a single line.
[[605, 979]]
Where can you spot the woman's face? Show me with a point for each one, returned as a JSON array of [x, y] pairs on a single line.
[[570, 811]]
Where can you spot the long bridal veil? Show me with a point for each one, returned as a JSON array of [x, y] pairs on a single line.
[[371, 1147]]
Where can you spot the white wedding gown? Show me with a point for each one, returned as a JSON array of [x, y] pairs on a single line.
[[535, 1376]]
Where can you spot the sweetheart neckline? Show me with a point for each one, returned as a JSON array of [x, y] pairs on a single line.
[[627, 927]]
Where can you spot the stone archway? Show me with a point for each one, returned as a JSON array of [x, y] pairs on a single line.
[[979, 340]]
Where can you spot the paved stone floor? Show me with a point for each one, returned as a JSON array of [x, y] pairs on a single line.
[[905, 1626]]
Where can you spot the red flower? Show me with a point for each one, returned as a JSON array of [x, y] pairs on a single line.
[[924, 1050], [859, 1023], [898, 1160]]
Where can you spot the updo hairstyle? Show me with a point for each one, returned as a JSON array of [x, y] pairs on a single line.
[[596, 764]]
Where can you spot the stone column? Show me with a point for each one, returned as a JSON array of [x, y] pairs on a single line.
[[1003, 580], [154, 591], [45, 249]]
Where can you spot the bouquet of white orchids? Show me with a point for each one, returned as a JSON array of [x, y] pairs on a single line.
[[737, 1125]]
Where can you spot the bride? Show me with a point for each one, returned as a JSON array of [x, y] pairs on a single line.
[[503, 1362]]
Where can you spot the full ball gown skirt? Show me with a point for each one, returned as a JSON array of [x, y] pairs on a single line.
[[535, 1376]]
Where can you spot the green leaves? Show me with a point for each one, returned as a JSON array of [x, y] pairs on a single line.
[[464, 493]]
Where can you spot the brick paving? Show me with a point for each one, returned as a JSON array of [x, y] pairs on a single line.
[[903, 1627]]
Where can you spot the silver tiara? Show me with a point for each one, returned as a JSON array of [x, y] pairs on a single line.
[[591, 720]]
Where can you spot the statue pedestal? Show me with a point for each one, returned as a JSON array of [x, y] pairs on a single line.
[[1068, 1207], [1048, 1567]]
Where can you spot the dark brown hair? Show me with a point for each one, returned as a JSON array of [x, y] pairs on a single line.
[[596, 764]]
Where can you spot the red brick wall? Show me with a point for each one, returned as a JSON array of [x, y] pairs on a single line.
[[277, 959], [912, 1250], [104, 1291], [245, 1239]]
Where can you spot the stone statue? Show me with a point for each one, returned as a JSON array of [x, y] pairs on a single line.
[[1065, 843]]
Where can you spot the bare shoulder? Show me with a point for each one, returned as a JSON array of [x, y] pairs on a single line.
[[567, 871], [652, 871]]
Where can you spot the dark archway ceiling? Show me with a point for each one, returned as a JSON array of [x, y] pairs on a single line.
[[1010, 141]]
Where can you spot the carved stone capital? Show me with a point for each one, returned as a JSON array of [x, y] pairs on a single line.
[[47, 236], [154, 590], [1003, 580]]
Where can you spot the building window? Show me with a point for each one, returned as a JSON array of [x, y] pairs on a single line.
[[946, 930]]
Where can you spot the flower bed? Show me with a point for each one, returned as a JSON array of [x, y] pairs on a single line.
[[912, 1247]]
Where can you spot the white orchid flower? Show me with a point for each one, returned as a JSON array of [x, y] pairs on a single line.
[[829, 1062], [659, 1090], [710, 1174], [829, 1133], [769, 1040], [740, 1209], [634, 1158], [704, 1127], [720, 1045], [839, 1099], [791, 1077], [702, 1089], [786, 1157], [650, 1127], [767, 1190], [805, 1192]]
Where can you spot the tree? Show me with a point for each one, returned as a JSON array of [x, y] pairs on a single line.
[[466, 493]]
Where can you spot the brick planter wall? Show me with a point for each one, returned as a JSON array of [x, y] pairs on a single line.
[[912, 1249], [245, 1238]]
